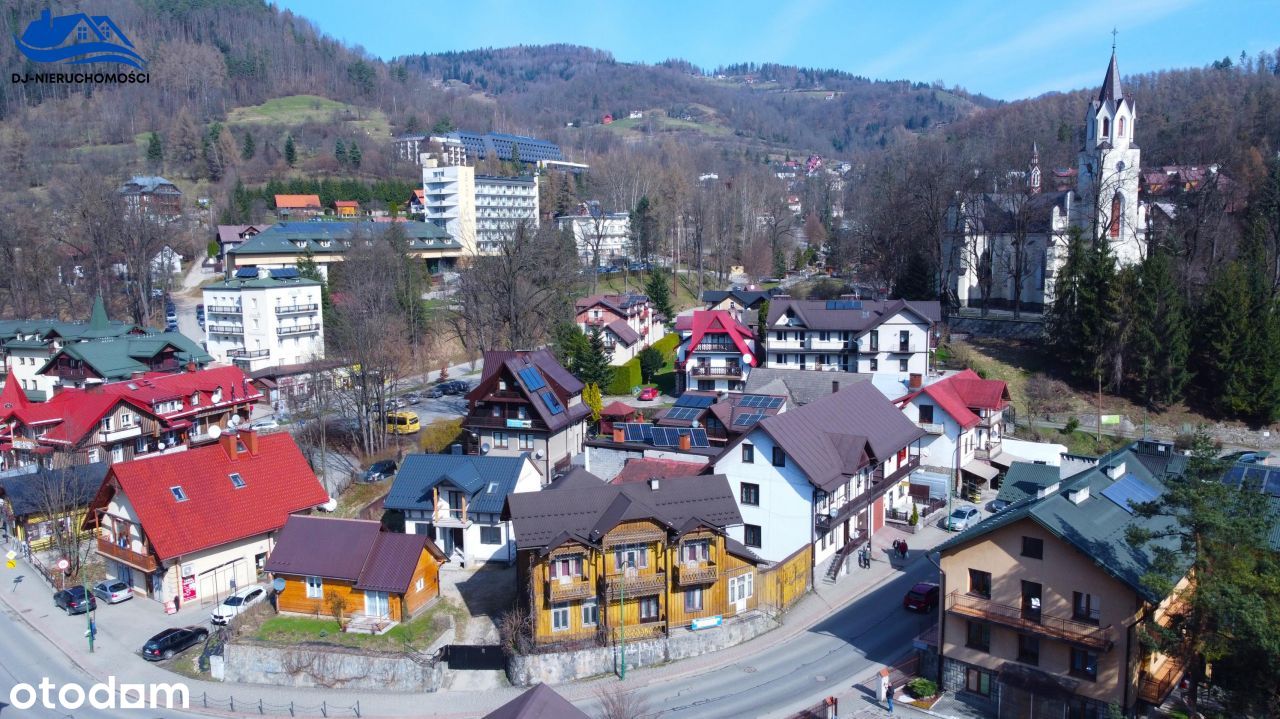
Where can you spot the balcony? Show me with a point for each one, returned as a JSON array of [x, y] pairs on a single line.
[[692, 575], [226, 329], [145, 562], [451, 517], [907, 348], [222, 309], [110, 436], [1045, 625], [1154, 688], [991, 450], [641, 585], [574, 588], [878, 486], [726, 371], [296, 309], [248, 354], [931, 427], [504, 423], [297, 330], [989, 419]]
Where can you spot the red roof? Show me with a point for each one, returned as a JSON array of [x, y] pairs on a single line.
[[684, 323], [721, 322], [641, 470], [277, 483], [978, 392], [345, 203], [298, 202], [618, 409], [11, 396]]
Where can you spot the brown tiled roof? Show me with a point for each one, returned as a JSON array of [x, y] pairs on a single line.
[[354, 550], [540, 702], [623, 331], [546, 364]]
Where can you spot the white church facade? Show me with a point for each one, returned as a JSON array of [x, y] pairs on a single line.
[[1002, 245]]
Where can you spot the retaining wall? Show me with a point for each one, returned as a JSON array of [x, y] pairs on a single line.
[[309, 665], [1005, 327]]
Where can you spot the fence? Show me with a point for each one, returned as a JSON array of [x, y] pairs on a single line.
[[293, 709]]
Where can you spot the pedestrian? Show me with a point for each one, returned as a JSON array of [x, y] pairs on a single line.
[[902, 547], [888, 697], [896, 549]]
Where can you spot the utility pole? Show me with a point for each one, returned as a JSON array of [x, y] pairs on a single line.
[[90, 628]]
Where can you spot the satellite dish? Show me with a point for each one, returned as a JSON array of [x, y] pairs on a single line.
[[215, 431], [695, 424], [278, 584], [748, 359], [538, 455], [329, 506], [484, 448], [234, 421]]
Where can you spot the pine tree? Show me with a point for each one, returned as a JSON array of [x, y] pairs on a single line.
[[659, 294], [915, 281], [1065, 317], [1223, 360], [1161, 342], [593, 364], [247, 149], [340, 153], [353, 156], [290, 151], [155, 151]]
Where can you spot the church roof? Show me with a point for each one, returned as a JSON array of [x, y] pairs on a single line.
[[1002, 213], [1111, 91]]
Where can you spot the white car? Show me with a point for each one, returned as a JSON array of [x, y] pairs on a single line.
[[962, 518], [264, 424], [237, 602]]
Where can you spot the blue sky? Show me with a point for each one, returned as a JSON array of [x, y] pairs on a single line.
[[1007, 50]]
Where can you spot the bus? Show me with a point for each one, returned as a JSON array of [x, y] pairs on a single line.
[[402, 423]]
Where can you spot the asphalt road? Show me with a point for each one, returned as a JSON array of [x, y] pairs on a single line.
[[833, 655]]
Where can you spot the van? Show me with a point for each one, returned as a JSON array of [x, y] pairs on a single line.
[[402, 423]]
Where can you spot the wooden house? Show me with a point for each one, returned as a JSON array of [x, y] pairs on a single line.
[[638, 560]]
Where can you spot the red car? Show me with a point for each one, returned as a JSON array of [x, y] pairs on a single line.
[[923, 597], [648, 394]]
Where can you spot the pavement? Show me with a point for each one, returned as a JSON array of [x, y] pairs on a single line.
[[829, 644]]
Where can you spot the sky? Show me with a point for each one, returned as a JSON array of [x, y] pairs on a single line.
[[1006, 50]]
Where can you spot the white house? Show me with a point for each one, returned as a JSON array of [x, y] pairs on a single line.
[[264, 318], [627, 323], [458, 500], [821, 475], [612, 230], [717, 355], [962, 416], [880, 337]]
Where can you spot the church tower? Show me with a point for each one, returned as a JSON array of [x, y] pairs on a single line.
[[1107, 183], [1033, 174]]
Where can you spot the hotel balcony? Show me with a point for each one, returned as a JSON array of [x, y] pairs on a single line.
[[226, 329], [562, 590], [248, 354], [641, 585], [297, 330], [222, 309], [726, 371], [296, 309], [1039, 623], [688, 576], [145, 562]]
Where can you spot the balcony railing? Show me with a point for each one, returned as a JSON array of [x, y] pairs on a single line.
[[248, 354], [879, 485], [992, 449], [297, 330], [109, 436], [501, 423], [650, 629], [226, 329], [640, 585], [145, 562], [728, 371], [451, 517], [987, 420], [687, 576], [1155, 688], [906, 347], [1046, 625], [931, 427], [222, 309], [295, 309], [575, 588]]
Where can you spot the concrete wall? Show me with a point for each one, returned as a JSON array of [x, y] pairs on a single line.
[[1007, 327], [329, 667], [557, 667]]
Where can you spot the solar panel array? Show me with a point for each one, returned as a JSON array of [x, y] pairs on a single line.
[[700, 401], [663, 436], [532, 379], [844, 304], [683, 413], [247, 273], [552, 402], [285, 273], [1262, 478], [762, 401], [746, 419], [1128, 491]]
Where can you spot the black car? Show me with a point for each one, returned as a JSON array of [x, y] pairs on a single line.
[[379, 471], [457, 386], [74, 600], [172, 641]]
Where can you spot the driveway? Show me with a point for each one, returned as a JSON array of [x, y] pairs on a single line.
[[486, 593]]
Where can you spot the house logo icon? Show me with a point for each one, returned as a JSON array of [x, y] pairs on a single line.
[[77, 39]]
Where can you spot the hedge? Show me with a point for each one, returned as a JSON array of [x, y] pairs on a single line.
[[625, 377], [667, 345]]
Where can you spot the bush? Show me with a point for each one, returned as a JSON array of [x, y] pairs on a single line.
[[651, 361], [625, 377], [437, 436], [921, 688], [1072, 425], [915, 514], [667, 345]]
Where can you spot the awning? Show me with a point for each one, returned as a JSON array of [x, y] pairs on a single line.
[[179, 424], [981, 469], [1004, 460]]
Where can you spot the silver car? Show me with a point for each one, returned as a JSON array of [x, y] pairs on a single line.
[[112, 591], [962, 518]]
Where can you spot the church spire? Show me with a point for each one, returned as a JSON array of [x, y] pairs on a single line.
[[98, 318], [1111, 85], [1033, 182]]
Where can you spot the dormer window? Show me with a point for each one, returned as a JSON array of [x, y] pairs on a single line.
[[178, 494], [195, 399], [217, 395]]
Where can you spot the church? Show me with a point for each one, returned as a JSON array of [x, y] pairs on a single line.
[[1002, 245]]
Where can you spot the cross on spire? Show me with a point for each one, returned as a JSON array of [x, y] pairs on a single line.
[[1114, 32]]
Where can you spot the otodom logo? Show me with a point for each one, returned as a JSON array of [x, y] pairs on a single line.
[[79, 39]]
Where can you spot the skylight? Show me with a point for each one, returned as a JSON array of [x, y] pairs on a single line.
[[237, 481], [178, 494]]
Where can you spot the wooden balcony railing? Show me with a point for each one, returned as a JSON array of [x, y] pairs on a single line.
[[641, 585], [687, 576], [879, 485], [145, 562], [729, 371], [575, 588], [1155, 688], [644, 630], [1045, 625]]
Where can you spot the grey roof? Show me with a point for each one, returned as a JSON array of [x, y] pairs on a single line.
[[261, 282], [1111, 90], [354, 550], [540, 702], [623, 331], [149, 183], [583, 508], [1006, 213], [836, 436], [745, 298], [231, 234], [864, 316], [70, 487], [486, 480], [800, 386], [1024, 479], [1096, 527], [530, 149], [281, 237]]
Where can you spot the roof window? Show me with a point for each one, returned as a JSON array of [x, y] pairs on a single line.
[[178, 494], [237, 481]]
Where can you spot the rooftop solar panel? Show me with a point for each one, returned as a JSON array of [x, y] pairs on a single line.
[[699, 438], [532, 379], [844, 304], [633, 432], [285, 273], [746, 419], [550, 399], [1128, 491], [775, 403], [1272, 484], [695, 400], [665, 437]]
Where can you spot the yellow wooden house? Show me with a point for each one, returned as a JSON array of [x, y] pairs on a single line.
[[44, 508], [598, 560]]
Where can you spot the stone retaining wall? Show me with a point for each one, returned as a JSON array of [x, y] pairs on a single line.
[[1005, 327], [328, 666], [558, 667]]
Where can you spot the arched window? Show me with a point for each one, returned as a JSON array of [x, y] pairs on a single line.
[[1116, 204], [1120, 129], [1106, 127]]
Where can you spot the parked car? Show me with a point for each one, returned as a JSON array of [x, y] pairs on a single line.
[[923, 597], [962, 518], [379, 471], [435, 393], [1244, 457], [200, 311], [456, 386], [261, 424], [411, 397], [112, 591], [172, 641], [239, 600], [74, 600], [648, 394]]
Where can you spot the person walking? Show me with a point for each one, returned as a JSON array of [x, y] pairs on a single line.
[[902, 547], [888, 697]]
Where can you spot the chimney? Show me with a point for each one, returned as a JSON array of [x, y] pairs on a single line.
[[1046, 491], [191, 366], [228, 440], [686, 442], [1078, 494], [1115, 470], [250, 439], [619, 434], [916, 380], [653, 484], [835, 386]]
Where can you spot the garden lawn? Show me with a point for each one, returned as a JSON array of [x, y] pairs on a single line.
[[419, 633]]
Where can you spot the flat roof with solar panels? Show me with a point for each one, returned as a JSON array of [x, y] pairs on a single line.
[[262, 278], [665, 437]]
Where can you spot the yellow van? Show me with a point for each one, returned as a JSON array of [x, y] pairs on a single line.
[[402, 423]]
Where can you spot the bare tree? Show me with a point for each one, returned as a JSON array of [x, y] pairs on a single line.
[[59, 500], [618, 703]]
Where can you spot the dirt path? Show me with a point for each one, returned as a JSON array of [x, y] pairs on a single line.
[[485, 593]]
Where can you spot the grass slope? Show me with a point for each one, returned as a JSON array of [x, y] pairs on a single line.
[[301, 109]]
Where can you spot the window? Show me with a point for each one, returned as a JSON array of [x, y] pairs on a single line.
[[1084, 664], [1029, 649], [82, 33], [978, 682], [106, 424], [977, 636], [926, 413], [902, 365], [875, 364], [649, 609], [1120, 127], [751, 535], [1106, 127], [874, 339], [590, 613], [495, 411], [178, 494], [1033, 548], [630, 555], [526, 440], [566, 567], [1031, 600], [779, 457], [93, 455], [749, 494], [315, 588], [237, 481], [693, 600], [748, 453], [491, 535], [420, 585], [980, 583], [499, 440], [126, 420], [1085, 608], [1115, 216], [559, 616], [697, 550]]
